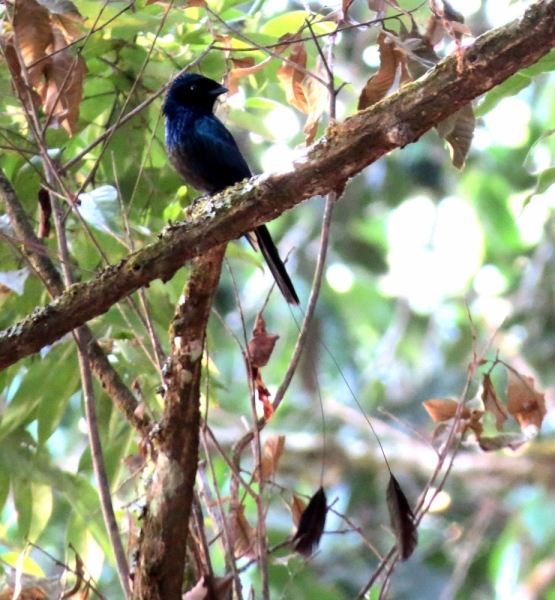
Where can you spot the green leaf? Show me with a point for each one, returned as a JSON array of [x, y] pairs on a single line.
[[291, 22], [546, 179], [23, 500], [510, 87], [29, 566], [4, 485], [42, 509], [249, 122], [51, 380]]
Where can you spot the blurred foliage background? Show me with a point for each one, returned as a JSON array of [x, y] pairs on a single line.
[[416, 246]]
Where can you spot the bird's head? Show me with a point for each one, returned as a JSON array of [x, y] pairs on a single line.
[[193, 90]]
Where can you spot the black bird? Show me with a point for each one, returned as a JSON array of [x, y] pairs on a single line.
[[206, 155]]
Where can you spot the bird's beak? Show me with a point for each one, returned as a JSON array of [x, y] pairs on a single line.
[[218, 91]]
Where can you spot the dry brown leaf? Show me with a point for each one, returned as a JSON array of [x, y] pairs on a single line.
[[63, 89], [402, 519], [262, 343], [243, 535], [263, 394], [33, 593], [45, 212], [445, 19], [524, 402], [474, 423], [317, 96], [381, 82], [443, 409], [311, 525], [505, 440], [243, 67], [292, 78], [377, 5], [273, 449], [33, 33], [201, 591], [68, 25], [458, 131], [493, 404], [297, 507], [345, 5]]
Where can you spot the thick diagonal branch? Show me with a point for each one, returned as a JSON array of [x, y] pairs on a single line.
[[163, 540], [346, 149]]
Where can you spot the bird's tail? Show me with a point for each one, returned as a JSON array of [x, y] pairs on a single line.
[[271, 255]]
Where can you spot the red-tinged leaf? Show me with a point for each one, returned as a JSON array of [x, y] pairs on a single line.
[[292, 78], [402, 519], [262, 343], [458, 131], [492, 403], [311, 527], [263, 394], [243, 535], [381, 82], [298, 506], [443, 409], [273, 449], [524, 402], [33, 31], [448, 20]]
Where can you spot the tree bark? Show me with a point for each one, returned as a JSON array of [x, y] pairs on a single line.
[[163, 541]]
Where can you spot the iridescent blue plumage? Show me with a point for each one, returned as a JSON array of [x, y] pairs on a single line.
[[206, 155]]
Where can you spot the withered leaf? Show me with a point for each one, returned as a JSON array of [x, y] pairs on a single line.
[[33, 31], [505, 440], [380, 5], [524, 402], [18, 81], [292, 78], [273, 449], [492, 403], [262, 343], [63, 89], [263, 394], [311, 527], [458, 131], [443, 409], [345, 5], [317, 97], [45, 212], [243, 534], [381, 82], [208, 588], [243, 67], [297, 507], [402, 519]]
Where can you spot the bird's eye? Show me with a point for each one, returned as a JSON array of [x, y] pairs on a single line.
[[193, 87]]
